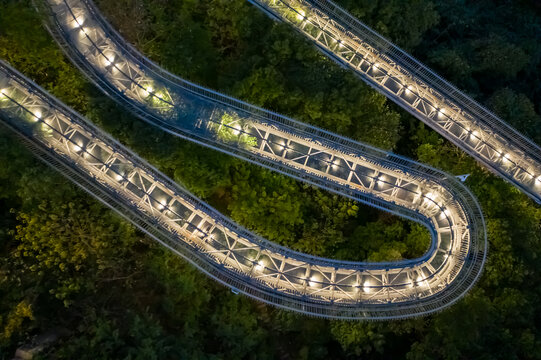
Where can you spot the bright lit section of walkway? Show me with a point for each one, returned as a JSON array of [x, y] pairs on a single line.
[[263, 270], [416, 88]]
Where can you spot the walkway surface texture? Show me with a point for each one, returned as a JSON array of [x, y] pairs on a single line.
[[218, 246]]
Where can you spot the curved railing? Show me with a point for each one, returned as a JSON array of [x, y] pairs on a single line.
[[285, 278], [415, 88]]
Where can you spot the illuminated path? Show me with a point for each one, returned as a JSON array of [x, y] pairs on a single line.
[[415, 88], [247, 263]]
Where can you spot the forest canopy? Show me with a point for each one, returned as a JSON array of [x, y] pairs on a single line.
[[69, 262]]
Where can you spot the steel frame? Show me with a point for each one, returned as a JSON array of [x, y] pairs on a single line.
[[266, 271], [417, 89]]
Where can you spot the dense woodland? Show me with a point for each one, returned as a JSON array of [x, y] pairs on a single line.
[[68, 262]]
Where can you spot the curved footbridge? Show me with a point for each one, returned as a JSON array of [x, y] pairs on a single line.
[[218, 246], [415, 88]]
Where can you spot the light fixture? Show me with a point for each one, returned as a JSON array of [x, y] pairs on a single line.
[[3, 93], [301, 15], [408, 89], [160, 205], [237, 128], [366, 286], [77, 148], [37, 115], [148, 90], [445, 213], [108, 61], [430, 198], [260, 265], [78, 22], [119, 177]]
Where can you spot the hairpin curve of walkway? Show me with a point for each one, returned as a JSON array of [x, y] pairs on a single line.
[[415, 88], [221, 248]]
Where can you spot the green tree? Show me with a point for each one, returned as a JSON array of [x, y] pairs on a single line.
[[517, 110]]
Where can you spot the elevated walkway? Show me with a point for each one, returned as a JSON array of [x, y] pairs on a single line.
[[247, 263], [417, 89]]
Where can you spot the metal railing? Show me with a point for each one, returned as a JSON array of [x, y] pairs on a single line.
[[463, 227], [415, 88]]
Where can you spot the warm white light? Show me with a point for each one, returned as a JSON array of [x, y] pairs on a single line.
[[260, 265], [381, 180], [441, 111], [118, 177], [147, 90], [474, 134], [313, 281], [376, 65], [160, 205], [445, 213], [301, 15], [3, 93], [366, 286], [538, 180], [237, 129], [37, 115], [77, 148], [430, 196], [108, 61], [78, 22], [408, 89]]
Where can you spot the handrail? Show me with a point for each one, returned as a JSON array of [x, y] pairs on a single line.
[[361, 172], [415, 88]]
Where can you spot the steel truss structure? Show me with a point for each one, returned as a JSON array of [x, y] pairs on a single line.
[[221, 248], [415, 88], [242, 260]]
